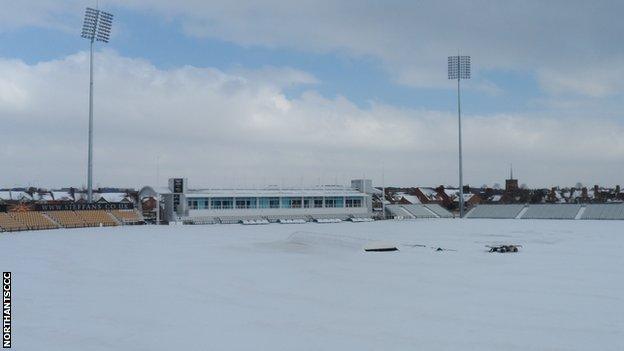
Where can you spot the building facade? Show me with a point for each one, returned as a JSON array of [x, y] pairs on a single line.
[[182, 204]]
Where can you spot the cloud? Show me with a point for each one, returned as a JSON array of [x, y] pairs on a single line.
[[412, 39], [240, 128], [565, 43], [40, 13], [600, 79]]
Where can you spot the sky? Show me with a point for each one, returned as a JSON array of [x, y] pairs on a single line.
[[248, 93]]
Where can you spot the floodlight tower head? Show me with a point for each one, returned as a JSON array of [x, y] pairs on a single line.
[[459, 67], [97, 25]]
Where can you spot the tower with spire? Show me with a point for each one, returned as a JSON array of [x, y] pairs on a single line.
[[511, 184]]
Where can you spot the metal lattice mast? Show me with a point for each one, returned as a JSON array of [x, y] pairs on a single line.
[[459, 68], [96, 27]]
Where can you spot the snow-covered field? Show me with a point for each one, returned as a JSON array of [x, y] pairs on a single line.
[[311, 287]]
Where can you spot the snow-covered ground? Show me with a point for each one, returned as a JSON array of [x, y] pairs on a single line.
[[311, 287]]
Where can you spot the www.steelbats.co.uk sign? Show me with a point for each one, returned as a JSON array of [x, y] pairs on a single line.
[[84, 206]]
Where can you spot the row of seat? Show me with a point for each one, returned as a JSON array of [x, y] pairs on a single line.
[[127, 216], [25, 221], [495, 211], [32, 220], [418, 211], [35, 220], [9, 223], [612, 211]]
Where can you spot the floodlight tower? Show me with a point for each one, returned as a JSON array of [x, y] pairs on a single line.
[[96, 27], [459, 68]]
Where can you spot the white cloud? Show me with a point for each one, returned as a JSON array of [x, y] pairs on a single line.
[[558, 40], [40, 13], [239, 127], [598, 79], [412, 39]]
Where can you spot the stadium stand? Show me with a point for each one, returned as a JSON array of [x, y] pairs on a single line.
[[128, 216], [9, 224], [34, 220], [95, 218], [419, 211], [397, 211], [495, 211], [439, 210], [603, 211], [552, 211], [67, 219]]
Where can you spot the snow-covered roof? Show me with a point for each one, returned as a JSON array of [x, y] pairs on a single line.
[[111, 197], [430, 193], [60, 195], [15, 195], [80, 196], [268, 192], [43, 196], [412, 199], [467, 197], [451, 192]]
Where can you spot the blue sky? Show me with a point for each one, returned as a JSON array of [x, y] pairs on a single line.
[[361, 79], [546, 85]]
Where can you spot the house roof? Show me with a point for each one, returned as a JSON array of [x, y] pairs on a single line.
[[60, 195], [412, 199], [111, 197], [430, 193], [15, 195]]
